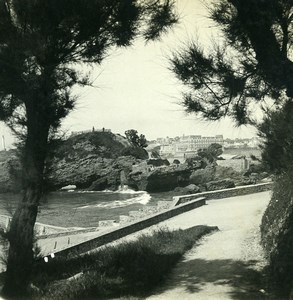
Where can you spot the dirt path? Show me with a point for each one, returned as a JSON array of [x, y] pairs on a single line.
[[226, 264]]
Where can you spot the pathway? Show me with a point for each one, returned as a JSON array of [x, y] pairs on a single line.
[[226, 264]]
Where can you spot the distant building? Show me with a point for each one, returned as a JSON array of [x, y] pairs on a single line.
[[242, 143], [187, 146]]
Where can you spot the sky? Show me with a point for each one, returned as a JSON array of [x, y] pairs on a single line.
[[134, 88]]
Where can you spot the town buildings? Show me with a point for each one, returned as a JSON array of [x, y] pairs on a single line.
[[186, 146], [236, 152]]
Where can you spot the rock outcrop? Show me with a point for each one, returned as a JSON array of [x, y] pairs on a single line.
[[220, 184], [92, 161], [189, 189], [160, 180], [202, 176]]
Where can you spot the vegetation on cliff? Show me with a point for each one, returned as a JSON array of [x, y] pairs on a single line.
[[10, 175], [277, 223], [103, 144]]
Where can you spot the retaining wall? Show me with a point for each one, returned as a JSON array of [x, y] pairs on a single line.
[[40, 228], [65, 233], [225, 193], [131, 228]]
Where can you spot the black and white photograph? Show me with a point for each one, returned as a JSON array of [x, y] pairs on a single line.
[[146, 149]]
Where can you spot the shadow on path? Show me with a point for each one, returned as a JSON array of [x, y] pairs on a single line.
[[243, 282]]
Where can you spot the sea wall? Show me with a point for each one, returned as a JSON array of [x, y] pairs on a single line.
[[40, 228], [122, 231], [225, 193]]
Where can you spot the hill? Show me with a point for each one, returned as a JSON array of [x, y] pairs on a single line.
[[92, 160], [103, 144]]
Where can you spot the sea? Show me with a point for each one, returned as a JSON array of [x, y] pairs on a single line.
[[84, 208]]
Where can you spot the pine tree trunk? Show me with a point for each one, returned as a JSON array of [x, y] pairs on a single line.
[[21, 233], [20, 256]]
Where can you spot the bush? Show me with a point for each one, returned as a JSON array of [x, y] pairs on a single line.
[[136, 152], [277, 222], [131, 268], [277, 234], [220, 184], [158, 162], [202, 176]]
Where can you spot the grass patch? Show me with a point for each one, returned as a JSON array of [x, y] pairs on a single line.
[[131, 269]]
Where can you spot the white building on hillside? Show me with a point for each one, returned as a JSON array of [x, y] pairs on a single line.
[[187, 146]]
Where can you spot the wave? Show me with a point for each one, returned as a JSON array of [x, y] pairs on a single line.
[[121, 190], [141, 199], [126, 190]]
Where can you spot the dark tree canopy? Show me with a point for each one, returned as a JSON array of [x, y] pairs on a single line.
[[135, 139], [211, 153], [277, 133], [40, 41], [251, 60]]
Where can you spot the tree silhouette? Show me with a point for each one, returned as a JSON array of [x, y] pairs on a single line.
[[251, 62], [211, 153], [42, 44], [277, 133], [135, 139]]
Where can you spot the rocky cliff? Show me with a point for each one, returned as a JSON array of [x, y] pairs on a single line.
[[103, 160], [93, 161], [99, 161], [161, 179]]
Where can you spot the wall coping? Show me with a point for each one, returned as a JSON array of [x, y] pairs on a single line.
[[110, 235], [176, 199]]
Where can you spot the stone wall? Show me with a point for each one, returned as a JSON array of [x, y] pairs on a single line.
[[122, 231], [225, 193], [40, 229]]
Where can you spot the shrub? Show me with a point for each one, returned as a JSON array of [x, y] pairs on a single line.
[[135, 152], [131, 268], [277, 222], [277, 234]]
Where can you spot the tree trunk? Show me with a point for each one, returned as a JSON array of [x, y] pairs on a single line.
[[20, 256], [272, 59], [21, 233]]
